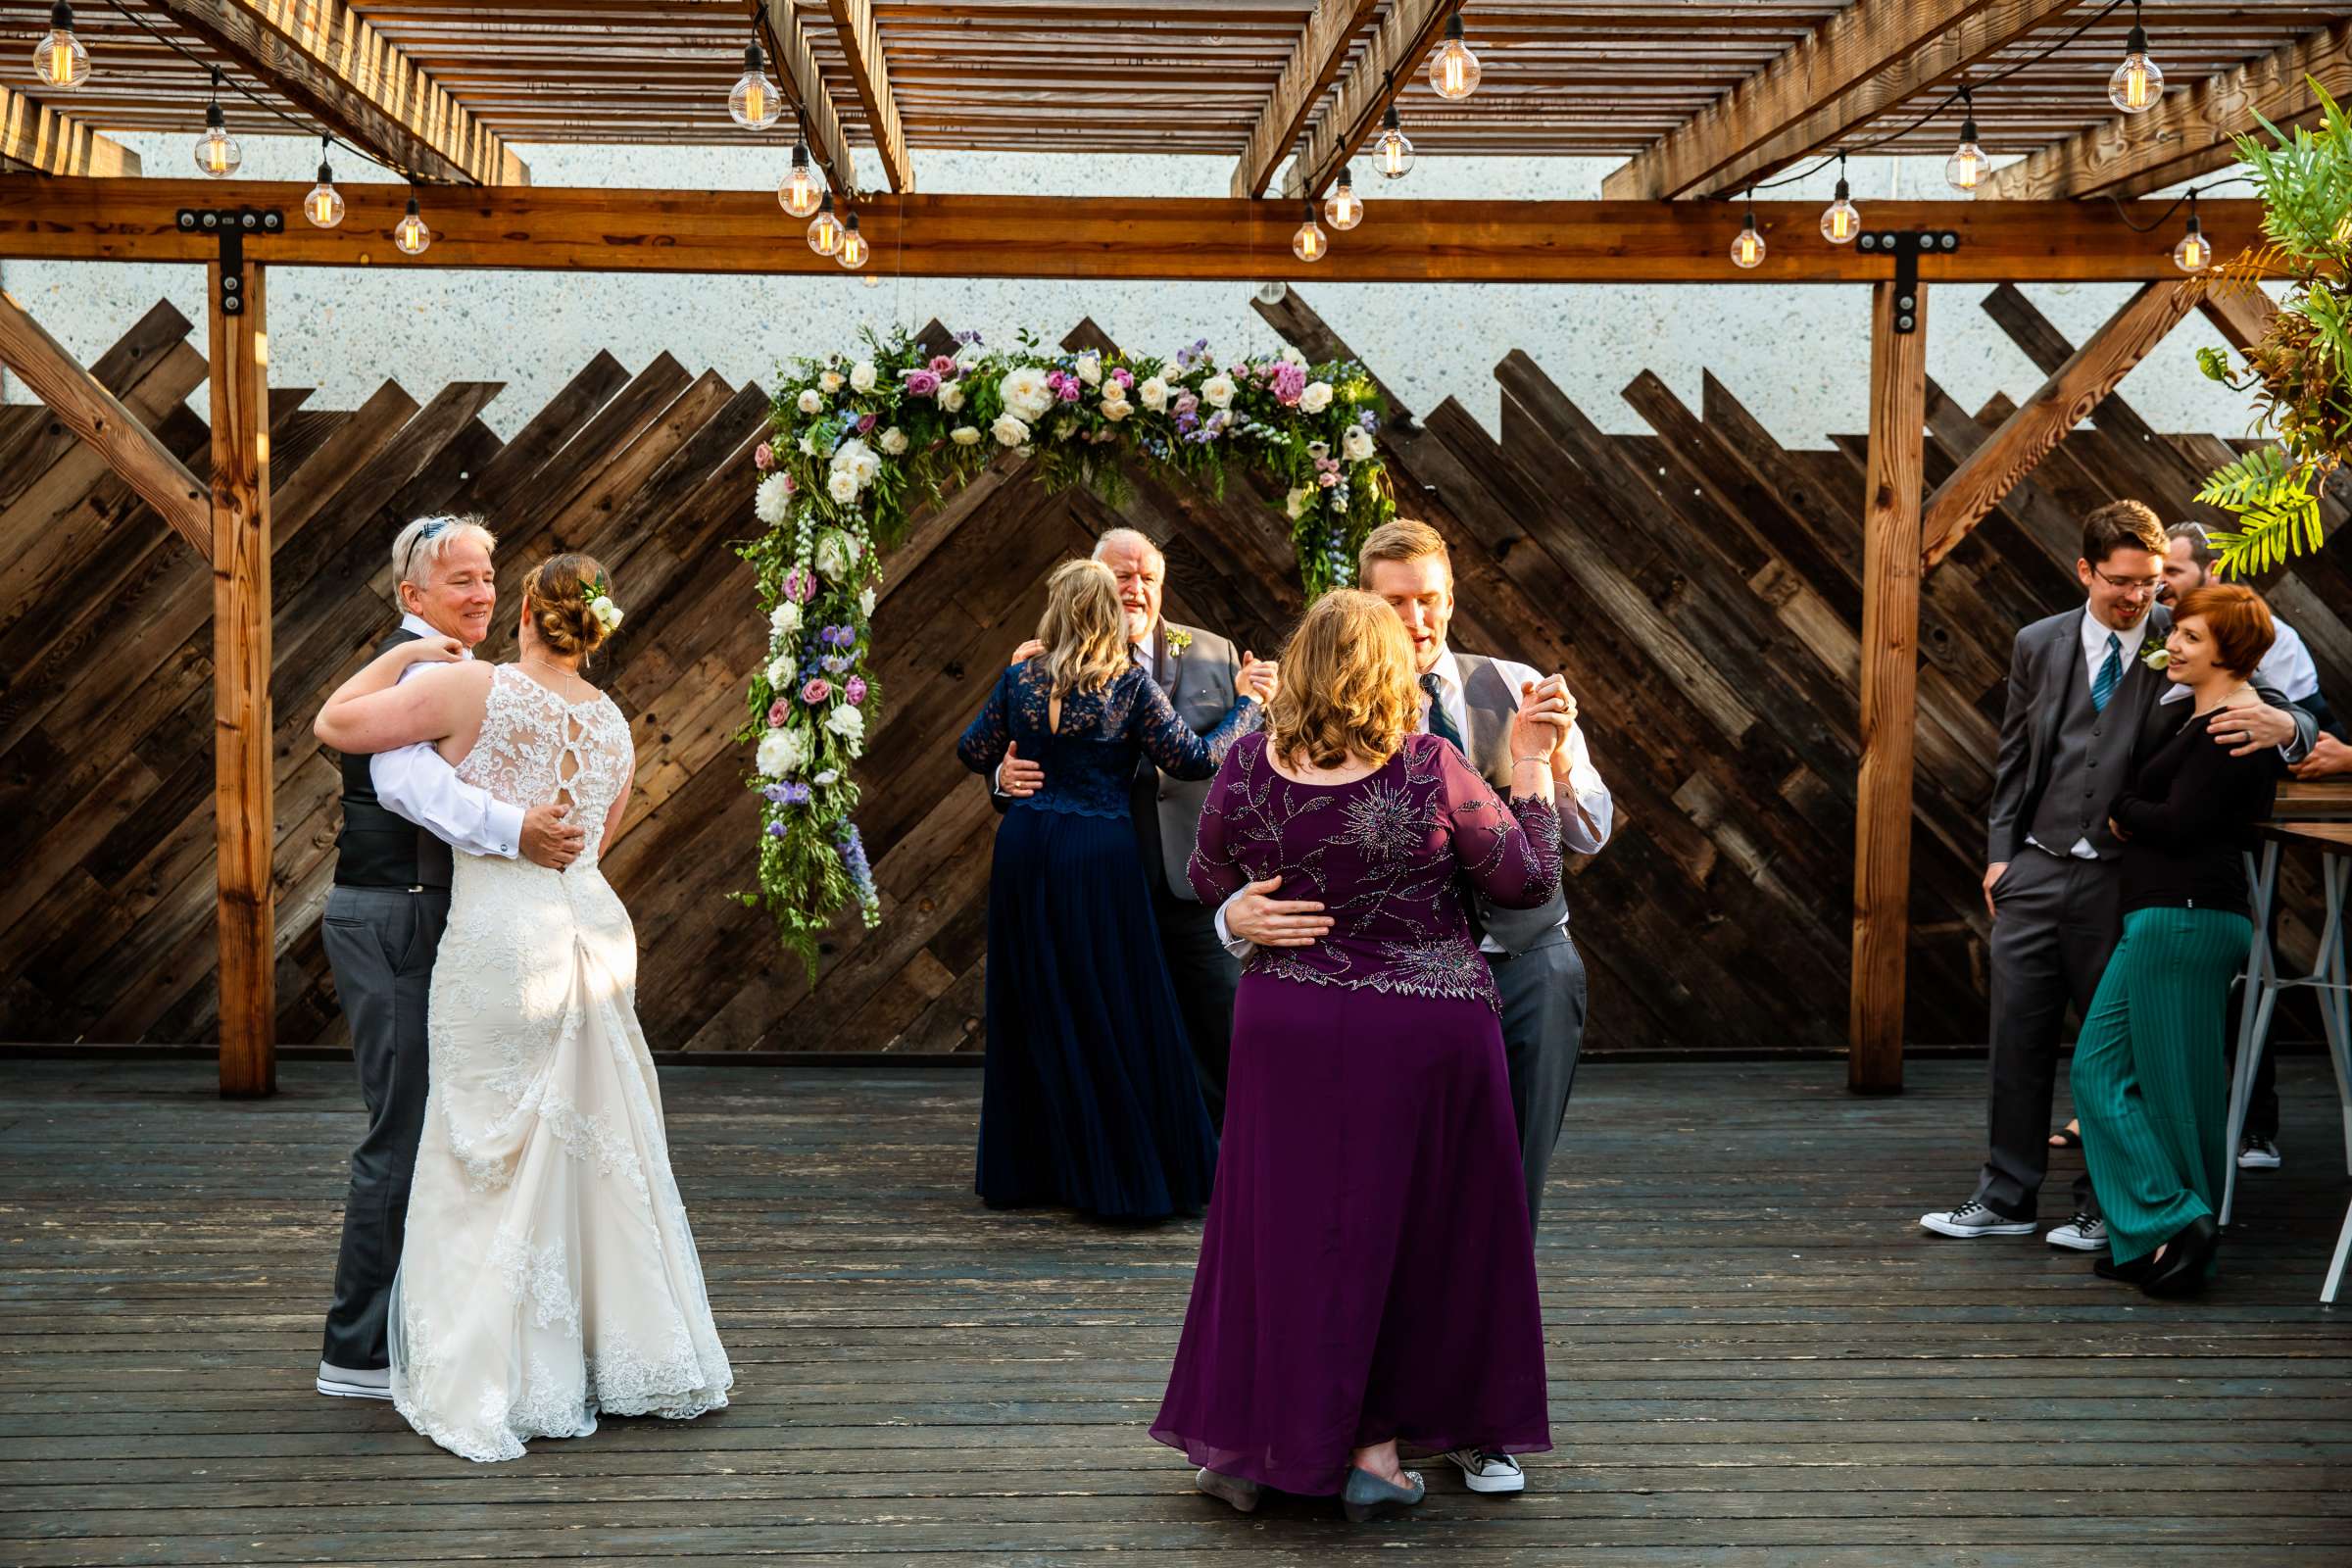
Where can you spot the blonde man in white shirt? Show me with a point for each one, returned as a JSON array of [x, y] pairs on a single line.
[[402, 812]]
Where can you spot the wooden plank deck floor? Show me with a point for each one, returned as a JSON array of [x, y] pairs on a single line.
[[1755, 1356]]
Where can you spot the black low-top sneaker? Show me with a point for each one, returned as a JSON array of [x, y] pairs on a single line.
[[1972, 1219], [2085, 1233], [2257, 1153]]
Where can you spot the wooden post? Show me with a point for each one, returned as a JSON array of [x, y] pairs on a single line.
[[1891, 570], [243, 810]]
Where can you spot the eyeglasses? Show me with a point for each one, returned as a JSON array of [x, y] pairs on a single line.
[[431, 530], [2145, 585]]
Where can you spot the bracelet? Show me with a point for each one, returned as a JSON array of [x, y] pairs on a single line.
[[1516, 760]]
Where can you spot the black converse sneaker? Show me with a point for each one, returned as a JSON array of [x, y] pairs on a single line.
[[2257, 1153], [1972, 1219], [2085, 1233]]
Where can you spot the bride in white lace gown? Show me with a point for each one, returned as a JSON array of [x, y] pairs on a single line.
[[547, 1272]]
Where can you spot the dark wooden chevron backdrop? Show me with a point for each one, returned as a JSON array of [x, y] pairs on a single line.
[[1698, 586]]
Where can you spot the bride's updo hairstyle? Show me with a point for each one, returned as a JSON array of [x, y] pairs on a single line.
[[1346, 684], [554, 599]]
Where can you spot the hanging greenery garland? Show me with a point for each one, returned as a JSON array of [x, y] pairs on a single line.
[[855, 445]]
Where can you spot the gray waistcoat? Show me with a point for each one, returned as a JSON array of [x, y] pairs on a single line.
[[2090, 753], [1489, 703]]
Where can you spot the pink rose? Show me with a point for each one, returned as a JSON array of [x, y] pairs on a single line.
[[817, 691], [944, 366], [800, 585], [1071, 386], [1327, 478], [777, 712], [1120, 375], [855, 691], [763, 457], [866, 425], [922, 383]]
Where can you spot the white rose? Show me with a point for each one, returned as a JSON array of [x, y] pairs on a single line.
[[1356, 444], [866, 602], [845, 721], [1153, 393], [830, 381], [784, 620], [1115, 412], [857, 460], [780, 670], [1008, 431], [1217, 391], [796, 749], [861, 376], [964, 435], [773, 501], [774, 755], [1025, 392], [894, 441], [1292, 355], [1295, 503], [842, 486], [950, 397], [1088, 368], [606, 611], [1316, 398], [809, 401]]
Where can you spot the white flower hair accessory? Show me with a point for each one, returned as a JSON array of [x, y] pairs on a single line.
[[599, 594]]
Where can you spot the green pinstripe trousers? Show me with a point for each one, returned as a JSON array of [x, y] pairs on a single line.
[[2149, 1076]]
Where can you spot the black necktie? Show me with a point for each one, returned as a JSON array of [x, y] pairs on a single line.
[[1441, 723]]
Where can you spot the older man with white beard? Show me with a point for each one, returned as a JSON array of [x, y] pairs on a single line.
[[1200, 672], [402, 812]]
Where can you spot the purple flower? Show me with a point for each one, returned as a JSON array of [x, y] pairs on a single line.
[[800, 585], [944, 366], [817, 691], [855, 691], [922, 383], [1186, 404], [834, 664], [866, 425], [797, 795], [1071, 386], [777, 830], [1367, 421], [967, 337]]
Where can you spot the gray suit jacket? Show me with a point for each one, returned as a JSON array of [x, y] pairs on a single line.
[[1200, 683], [2047, 655]]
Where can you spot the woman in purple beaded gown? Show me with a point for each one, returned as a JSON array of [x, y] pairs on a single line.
[[1367, 1274]]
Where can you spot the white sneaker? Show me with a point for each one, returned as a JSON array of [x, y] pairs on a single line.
[[2085, 1233], [2257, 1153], [355, 1383], [1483, 1471], [1972, 1219]]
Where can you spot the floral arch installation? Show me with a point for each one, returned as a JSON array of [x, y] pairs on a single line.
[[856, 444]]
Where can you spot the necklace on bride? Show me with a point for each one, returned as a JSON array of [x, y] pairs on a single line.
[[549, 666]]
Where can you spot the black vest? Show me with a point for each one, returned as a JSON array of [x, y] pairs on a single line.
[[378, 849]]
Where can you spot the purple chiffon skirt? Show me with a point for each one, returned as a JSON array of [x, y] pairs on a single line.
[[1367, 1272]]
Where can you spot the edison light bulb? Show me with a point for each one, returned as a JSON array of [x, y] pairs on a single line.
[[824, 231], [1968, 166], [59, 60], [216, 151], [323, 206], [410, 233], [1453, 69], [2193, 254], [1842, 220], [853, 248], [757, 102], [1748, 249], [799, 191], [2136, 84], [1343, 209], [1394, 153], [1310, 242]]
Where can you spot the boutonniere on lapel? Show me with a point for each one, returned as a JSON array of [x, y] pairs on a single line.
[[1178, 639], [2157, 657]]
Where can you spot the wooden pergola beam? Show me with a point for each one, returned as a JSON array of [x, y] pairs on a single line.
[[2192, 130], [1889, 695], [37, 138], [2240, 314], [1866, 60], [133, 451], [745, 232], [1405, 36], [796, 69], [1321, 51], [2041, 421], [323, 58], [861, 39]]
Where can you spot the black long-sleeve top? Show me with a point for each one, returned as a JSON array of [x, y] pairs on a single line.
[[2190, 809]]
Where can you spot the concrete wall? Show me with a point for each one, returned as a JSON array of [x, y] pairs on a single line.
[[1797, 356]]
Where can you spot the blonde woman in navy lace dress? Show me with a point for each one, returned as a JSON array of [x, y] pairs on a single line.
[[1089, 1098]]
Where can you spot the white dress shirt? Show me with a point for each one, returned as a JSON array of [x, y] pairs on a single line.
[[1582, 830], [2288, 666], [2095, 633], [418, 783]]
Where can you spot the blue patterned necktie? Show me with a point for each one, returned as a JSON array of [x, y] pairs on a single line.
[[2110, 672], [1440, 724]]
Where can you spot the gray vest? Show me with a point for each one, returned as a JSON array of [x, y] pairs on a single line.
[[2088, 755], [1489, 703]]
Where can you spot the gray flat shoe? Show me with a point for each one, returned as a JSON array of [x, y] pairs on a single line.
[[1367, 1494], [1239, 1491]]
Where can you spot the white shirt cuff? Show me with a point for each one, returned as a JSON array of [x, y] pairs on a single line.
[[1239, 947], [504, 828]]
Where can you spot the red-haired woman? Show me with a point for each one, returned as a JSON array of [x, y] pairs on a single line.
[[2148, 1069]]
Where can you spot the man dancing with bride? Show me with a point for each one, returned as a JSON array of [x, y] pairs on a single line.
[[548, 1273]]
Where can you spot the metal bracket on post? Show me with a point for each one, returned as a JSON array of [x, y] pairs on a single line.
[[1907, 246], [231, 224]]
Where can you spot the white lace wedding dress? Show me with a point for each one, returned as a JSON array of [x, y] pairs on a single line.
[[547, 1272]]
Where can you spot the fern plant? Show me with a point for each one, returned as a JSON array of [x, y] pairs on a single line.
[[2297, 371]]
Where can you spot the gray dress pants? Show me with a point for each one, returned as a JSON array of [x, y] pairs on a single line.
[[2058, 919], [1207, 977], [380, 943], [1542, 993]]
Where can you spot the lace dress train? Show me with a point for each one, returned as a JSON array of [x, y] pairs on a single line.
[[548, 1273]]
